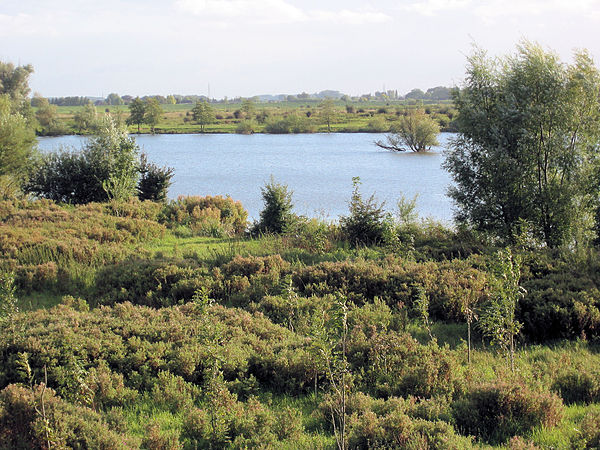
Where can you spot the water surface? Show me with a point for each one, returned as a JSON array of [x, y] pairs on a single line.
[[317, 167]]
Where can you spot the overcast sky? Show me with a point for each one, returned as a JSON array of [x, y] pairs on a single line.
[[249, 47]]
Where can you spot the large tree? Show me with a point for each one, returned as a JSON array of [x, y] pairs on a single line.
[[137, 112], [152, 113], [203, 114], [17, 147], [527, 145]]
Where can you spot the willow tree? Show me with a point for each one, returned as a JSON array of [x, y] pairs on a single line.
[[527, 146], [415, 131]]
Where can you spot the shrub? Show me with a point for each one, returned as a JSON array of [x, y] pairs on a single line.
[[277, 212], [246, 127], [589, 432], [106, 168], [496, 412], [154, 181], [365, 225], [578, 385], [23, 423], [212, 216]]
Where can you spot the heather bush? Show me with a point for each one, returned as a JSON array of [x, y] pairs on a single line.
[[207, 216], [24, 423], [496, 412], [578, 385]]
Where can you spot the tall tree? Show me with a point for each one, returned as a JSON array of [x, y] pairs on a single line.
[[14, 81], [529, 130], [327, 112], [152, 113], [17, 147], [203, 114], [137, 112]]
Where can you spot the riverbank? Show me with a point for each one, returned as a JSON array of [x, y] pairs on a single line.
[[273, 118]]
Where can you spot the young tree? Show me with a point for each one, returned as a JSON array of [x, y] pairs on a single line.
[[137, 113], [528, 128], [497, 319], [327, 112], [154, 180], [203, 114], [277, 213], [365, 223], [152, 113], [248, 107], [415, 131]]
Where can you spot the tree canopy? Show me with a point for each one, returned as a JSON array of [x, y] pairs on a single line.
[[527, 145], [415, 131]]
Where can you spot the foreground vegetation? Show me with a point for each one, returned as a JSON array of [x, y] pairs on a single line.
[[160, 326]]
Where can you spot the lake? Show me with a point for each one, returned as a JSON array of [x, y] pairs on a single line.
[[318, 168]]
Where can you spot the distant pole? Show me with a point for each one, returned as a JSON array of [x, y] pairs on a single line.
[[209, 92]]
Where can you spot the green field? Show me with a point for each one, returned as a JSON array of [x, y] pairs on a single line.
[[369, 116]]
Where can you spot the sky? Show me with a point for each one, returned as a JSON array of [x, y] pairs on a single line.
[[250, 47]]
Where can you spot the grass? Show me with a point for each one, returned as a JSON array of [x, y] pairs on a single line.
[[38, 300]]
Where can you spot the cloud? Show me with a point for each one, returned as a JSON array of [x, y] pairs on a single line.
[[274, 12], [432, 7], [490, 9]]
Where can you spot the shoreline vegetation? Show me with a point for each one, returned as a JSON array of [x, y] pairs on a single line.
[[265, 117]]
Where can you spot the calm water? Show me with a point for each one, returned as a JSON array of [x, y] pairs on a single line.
[[317, 167]]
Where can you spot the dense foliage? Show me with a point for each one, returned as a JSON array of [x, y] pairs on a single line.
[[526, 152]]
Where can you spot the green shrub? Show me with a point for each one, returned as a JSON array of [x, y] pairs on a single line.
[[589, 432], [59, 424], [208, 216], [277, 214], [496, 412], [365, 225], [578, 385]]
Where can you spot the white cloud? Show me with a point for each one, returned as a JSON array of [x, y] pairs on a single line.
[[432, 7], [274, 12], [25, 25], [490, 9], [350, 17]]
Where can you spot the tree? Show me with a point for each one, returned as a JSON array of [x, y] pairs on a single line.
[[248, 107], [152, 113], [277, 213], [154, 180], [529, 130], [327, 112], [203, 114], [498, 319], [106, 168], [415, 131], [47, 117], [137, 112], [365, 224], [85, 118], [17, 147], [14, 81], [114, 99]]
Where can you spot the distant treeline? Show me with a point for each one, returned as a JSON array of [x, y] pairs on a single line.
[[439, 93]]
